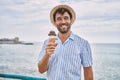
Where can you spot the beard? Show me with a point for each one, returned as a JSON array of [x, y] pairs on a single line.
[[63, 28]]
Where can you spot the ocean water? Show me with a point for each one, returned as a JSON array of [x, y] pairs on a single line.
[[106, 59], [22, 59]]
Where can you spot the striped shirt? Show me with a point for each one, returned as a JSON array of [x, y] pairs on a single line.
[[66, 62]]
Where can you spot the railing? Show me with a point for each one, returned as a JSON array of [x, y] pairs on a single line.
[[14, 76]]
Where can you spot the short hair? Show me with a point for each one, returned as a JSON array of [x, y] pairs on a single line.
[[62, 11]]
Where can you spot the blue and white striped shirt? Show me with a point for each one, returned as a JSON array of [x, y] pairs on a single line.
[[66, 62]]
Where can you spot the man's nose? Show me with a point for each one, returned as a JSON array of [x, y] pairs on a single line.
[[63, 21]]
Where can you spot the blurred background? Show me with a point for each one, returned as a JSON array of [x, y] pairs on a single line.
[[24, 25]]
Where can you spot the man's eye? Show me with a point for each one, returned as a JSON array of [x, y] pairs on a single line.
[[58, 19], [66, 18]]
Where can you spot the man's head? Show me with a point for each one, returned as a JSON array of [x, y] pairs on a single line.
[[61, 11], [62, 17]]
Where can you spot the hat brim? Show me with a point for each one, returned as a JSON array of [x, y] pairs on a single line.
[[62, 6]]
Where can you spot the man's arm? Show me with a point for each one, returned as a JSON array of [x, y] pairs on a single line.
[[88, 73], [43, 64]]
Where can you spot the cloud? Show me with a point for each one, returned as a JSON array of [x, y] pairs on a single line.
[[97, 1], [26, 11], [29, 19], [91, 10]]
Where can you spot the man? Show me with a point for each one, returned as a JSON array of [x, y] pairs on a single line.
[[63, 60]]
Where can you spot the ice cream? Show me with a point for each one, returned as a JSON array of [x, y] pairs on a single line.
[[52, 36]]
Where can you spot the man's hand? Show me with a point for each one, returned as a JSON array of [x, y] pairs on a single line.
[[50, 48]]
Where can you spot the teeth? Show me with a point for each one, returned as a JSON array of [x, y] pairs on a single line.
[[63, 25]]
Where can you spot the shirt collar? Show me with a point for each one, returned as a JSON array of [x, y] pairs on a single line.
[[71, 37]]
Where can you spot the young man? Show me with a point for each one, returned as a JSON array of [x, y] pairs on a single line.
[[63, 60]]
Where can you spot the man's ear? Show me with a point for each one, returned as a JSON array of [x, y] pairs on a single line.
[[55, 24], [71, 21]]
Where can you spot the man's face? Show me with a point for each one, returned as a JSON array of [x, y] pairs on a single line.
[[63, 22]]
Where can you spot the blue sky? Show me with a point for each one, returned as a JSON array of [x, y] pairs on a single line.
[[98, 21]]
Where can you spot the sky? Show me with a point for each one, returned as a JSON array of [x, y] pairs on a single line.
[[97, 21]]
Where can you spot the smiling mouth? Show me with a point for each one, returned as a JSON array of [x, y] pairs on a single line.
[[64, 26]]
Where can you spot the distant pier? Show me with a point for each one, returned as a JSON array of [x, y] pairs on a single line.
[[13, 41]]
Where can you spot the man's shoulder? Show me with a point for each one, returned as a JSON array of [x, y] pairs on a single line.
[[80, 41], [45, 42], [79, 38]]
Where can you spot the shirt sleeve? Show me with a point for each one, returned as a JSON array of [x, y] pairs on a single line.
[[86, 55], [43, 50]]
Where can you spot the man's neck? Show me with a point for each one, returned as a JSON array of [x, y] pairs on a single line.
[[63, 37]]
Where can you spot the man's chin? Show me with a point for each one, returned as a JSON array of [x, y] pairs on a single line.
[[63, 32]]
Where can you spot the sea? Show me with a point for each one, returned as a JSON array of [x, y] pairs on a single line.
[[22, 60]]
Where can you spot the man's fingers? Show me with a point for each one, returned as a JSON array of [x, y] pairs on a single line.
[[50, 47], [50, 50], [52, 44]]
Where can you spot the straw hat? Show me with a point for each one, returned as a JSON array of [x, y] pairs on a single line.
[[62, 6]]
